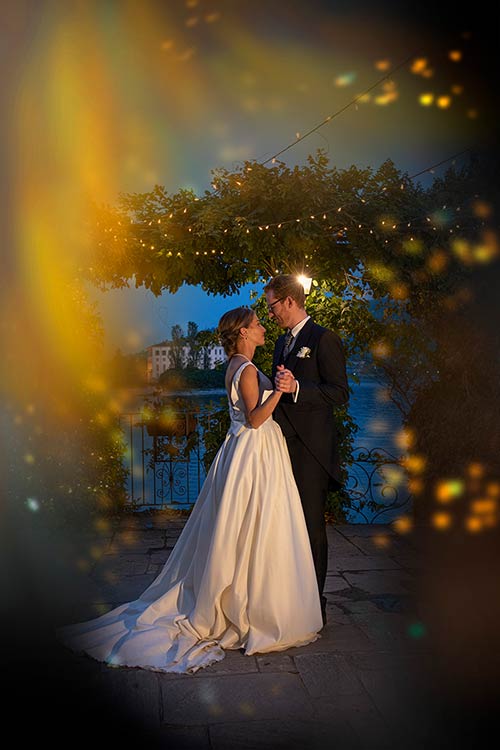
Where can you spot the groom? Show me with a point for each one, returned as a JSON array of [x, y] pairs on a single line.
[[309, 366]]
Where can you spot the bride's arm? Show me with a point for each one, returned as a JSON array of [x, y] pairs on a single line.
[[249, 386]]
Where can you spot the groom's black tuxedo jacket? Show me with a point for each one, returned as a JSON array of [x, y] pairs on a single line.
[[323, 385]]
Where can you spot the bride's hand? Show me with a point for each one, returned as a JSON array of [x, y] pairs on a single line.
[[284, 380]]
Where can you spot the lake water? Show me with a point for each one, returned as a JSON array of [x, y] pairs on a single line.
[[176, 484]]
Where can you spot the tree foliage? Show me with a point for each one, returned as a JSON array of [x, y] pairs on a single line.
[[391, 259]]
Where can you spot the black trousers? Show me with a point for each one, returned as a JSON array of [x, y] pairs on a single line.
[[312, 482]]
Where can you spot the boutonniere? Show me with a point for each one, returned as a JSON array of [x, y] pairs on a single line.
[[304, 352]]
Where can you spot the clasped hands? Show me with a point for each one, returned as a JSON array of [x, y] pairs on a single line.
[[284, 380]]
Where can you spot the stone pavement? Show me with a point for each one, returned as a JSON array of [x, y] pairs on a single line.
[[361, 685]]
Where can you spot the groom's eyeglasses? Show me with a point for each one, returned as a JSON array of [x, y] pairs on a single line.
[[270, 307]]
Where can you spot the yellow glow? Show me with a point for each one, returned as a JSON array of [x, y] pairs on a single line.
[[405, 438], [487, 249], [413, 246], [415, 485], [419, 65], [96, 384], [388, 98], [484, 506], [493, 489], [378, 425], [457, 89], [426, 99], [463, 250], [381, 349], [438, 261], [403, 525], [102, 525], [441, 520], [306, 282], [455, 55], [399, 291], [475, 470], [489, 520], [473, 524], [449, 489], [394, 476], [382, 65], [443, 102], [382, 541], [415, 463], [381, 273], [482, 209]]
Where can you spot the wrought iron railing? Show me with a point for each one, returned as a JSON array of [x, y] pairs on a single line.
[[168, 461]]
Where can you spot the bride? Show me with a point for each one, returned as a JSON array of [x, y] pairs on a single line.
[[241, 575]]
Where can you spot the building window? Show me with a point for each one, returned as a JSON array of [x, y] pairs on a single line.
[[157, 351]]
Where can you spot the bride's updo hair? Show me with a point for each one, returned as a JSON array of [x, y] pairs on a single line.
[[229, 327]]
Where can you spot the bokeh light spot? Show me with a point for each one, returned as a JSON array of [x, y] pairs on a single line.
[[405, 438], [443, 102], [449, 489], [33, 504], [426, 99], [403, 524], [381, 541], [345, 79], [475, 470], [415, 463], [473, 524], [441, 521], [416, 630]]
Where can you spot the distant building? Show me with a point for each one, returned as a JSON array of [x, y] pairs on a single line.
[[159, 358]]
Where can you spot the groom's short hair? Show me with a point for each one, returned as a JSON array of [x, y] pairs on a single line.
[[286, 285]]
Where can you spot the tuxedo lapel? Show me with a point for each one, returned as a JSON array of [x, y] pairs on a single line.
[[278, 353], [301, 340]]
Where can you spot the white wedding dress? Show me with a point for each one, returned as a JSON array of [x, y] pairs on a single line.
[[241, 575]]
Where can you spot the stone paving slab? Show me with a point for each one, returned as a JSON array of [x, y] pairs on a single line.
[[328, 674], [233, 698], [335, 583], [368, 726], [380, 582], [136, 691], [275, 662], [125, 589], [334, 692], [234, 662]]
